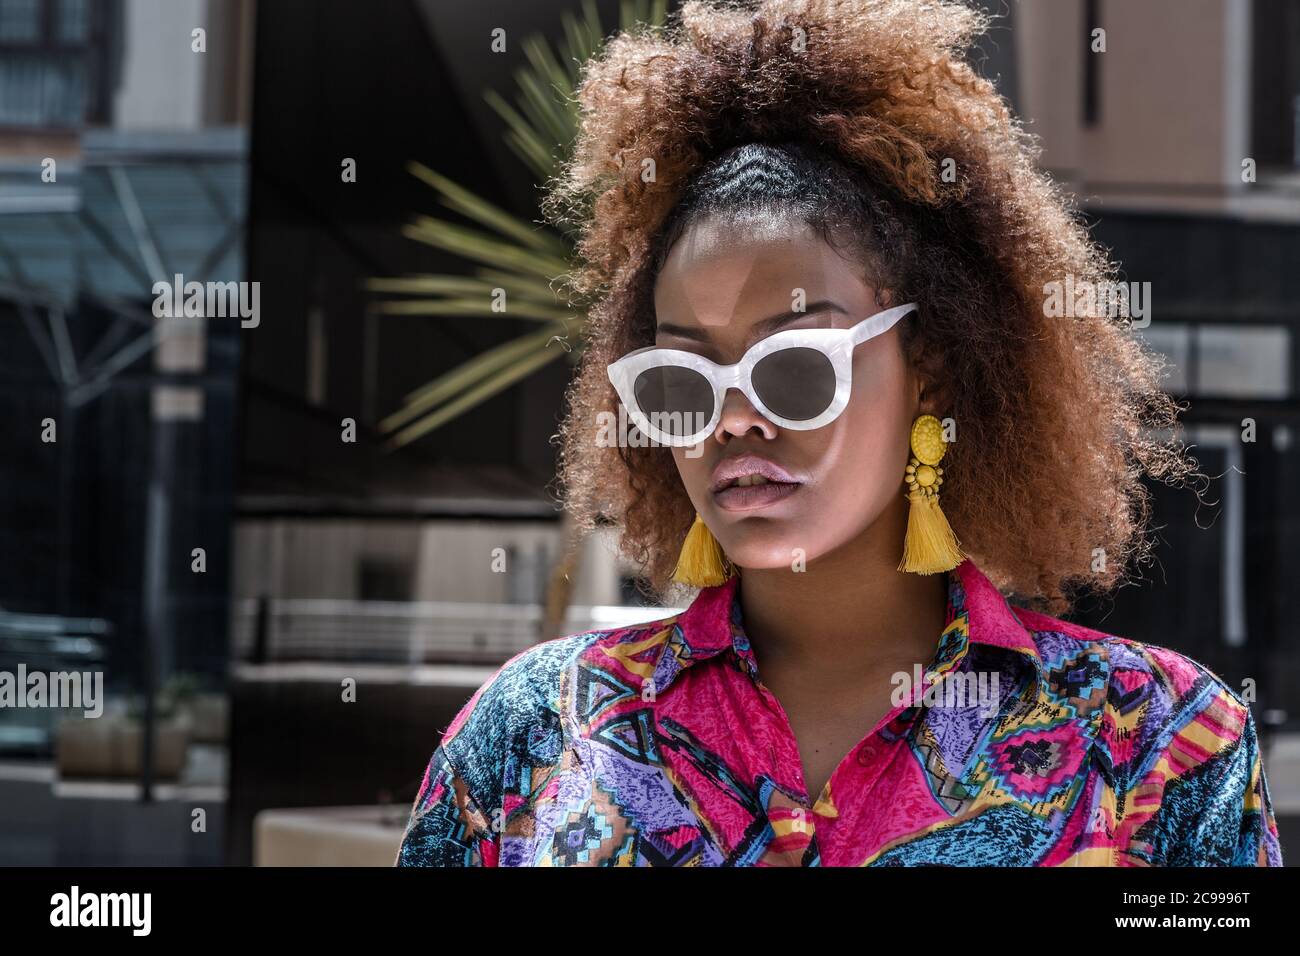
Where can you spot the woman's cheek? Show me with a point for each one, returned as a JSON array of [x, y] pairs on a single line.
[[861, 475], [693, 473]]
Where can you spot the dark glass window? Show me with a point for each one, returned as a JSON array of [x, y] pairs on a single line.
[[53, 54], [1275, 84]]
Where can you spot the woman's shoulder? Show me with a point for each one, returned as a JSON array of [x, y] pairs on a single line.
[[508, 735], [518, 709], [531, 678], [1178, 743], [1159, 684]]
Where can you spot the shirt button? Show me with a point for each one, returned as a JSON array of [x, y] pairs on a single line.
[[866, 754]]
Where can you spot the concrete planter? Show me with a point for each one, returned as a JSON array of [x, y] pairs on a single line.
[[110, 746], [328, 836], [209, 716]]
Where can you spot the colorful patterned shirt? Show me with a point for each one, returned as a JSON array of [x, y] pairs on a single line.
[[658, 745]]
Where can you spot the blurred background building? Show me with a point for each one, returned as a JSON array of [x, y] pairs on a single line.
[[328, 558], [123, 161]]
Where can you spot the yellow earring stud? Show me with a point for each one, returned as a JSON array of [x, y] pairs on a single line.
[[930, 545]]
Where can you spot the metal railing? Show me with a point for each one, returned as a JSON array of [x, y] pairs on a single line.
[[399, 632]]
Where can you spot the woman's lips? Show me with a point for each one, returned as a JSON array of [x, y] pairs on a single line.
[[753, 497]]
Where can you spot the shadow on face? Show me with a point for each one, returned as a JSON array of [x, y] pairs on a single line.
[[726, 285]]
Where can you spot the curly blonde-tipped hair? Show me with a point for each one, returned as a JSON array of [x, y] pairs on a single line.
[[1057, 418]]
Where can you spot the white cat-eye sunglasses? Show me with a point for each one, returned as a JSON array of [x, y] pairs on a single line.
[[798, 379]]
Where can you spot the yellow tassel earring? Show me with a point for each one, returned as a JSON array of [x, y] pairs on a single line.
[[702, 563], [930, 546]]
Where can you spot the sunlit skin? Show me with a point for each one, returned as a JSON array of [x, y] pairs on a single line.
[[828, 637]]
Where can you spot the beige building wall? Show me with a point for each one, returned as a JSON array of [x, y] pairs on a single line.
[[1049, 55], [1173, 94], [1165, 96]]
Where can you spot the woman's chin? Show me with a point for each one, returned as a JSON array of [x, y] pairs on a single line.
[[793, 557]]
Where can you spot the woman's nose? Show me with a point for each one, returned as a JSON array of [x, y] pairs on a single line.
[[739, 416]]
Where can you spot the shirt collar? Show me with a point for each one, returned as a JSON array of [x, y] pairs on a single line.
[[977, 614]]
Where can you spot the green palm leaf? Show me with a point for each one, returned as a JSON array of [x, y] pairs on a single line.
[[473, 383], [485, 213], [514, 255]]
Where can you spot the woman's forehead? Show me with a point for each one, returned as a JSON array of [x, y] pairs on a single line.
[[718, 284]]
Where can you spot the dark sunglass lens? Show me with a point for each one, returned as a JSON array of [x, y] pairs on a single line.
[[678, 401], [798, 383]]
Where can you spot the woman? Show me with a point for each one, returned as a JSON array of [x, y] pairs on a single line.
[[819, 258]]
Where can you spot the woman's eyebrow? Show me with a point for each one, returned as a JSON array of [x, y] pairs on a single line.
[[761, 328], [766, 326]]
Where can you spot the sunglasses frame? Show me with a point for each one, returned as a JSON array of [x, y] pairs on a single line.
[[836, 344]]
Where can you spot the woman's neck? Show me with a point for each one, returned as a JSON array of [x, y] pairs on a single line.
[[851, 612]]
